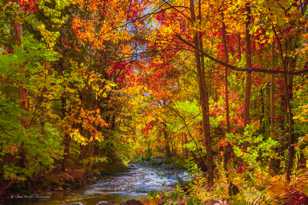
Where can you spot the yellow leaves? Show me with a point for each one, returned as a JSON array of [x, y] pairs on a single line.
[[166, 30], [302, 115], [96, 83], [89, 122], [49, 36], [82, 140], [77, 137]]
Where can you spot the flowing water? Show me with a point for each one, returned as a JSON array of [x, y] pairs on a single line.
[[134, 183]]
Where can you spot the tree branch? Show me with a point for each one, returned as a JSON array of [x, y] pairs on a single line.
[[241, 69]]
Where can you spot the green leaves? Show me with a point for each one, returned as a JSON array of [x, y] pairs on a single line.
[[30, 54], [253, 148], [188, 107]]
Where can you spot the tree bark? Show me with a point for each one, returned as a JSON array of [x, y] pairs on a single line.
[[288, 80], [23, 93], [66, 137], [226, 58], [288, 95], [228, 148], [166, 138], [248, 65], [239, 49], [203, 92]]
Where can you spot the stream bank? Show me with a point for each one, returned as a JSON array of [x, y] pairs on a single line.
[[134, 183]]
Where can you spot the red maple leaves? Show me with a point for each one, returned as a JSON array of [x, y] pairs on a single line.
[[29, 6]]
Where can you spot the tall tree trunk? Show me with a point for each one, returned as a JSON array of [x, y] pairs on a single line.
[[275, 163], [239, 49], [167, 144], [66, 137], [204, 98], [226, 59], [272, 90], [290, 124], [228, 148], [288, 95], [23, 93], [248, 65], [288, 80], [66, 153]]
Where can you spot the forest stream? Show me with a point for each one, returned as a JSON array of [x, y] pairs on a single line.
[[134, 183]]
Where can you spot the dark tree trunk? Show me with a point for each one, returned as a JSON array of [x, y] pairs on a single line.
[[272, 92], [239, 45], [226, 59], [203, 91], [288, 95], [167, 144], [66, 137], [228, 148], [23, 93], [248, 65], [290, 127]]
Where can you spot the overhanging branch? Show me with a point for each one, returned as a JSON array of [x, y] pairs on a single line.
[[240, 69]]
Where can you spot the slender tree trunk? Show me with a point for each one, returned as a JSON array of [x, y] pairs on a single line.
[[66, 137], [66, 153], [203, 91], [275, 163], [239, 45], [272, 100], [290, 127], [226, 59], [288, 80], [23, 93], [167, 144], [262, 110], [248, 65], [228, 148], [288, 95]]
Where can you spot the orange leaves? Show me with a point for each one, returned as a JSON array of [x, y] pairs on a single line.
[[106, 22], [85, 125], [12, 149], [84, 30], [89, 5], [91, 122], [223, 142]]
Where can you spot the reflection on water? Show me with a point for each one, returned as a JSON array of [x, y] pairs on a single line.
[[136, 182]]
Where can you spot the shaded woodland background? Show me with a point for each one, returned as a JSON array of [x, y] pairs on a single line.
[[218, 86]]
